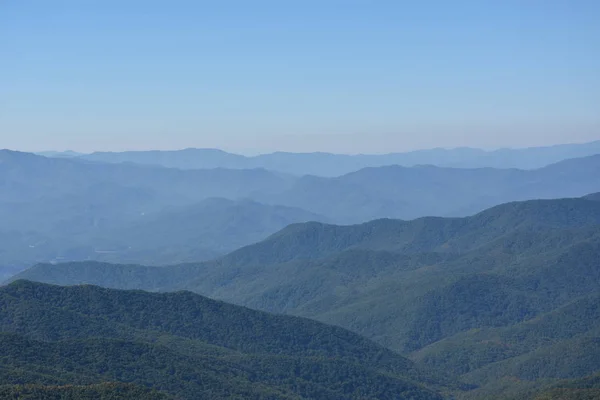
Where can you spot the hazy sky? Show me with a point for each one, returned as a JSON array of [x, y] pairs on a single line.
[[298, 75]]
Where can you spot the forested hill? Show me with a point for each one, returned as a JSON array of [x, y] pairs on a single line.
[[520, 221], [100, 391], [452, 235], [454, 294], [189, 346]]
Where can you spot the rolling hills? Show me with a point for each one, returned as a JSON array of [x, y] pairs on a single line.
[[61, 209], [188, 346], [47, 205], [511, 292]]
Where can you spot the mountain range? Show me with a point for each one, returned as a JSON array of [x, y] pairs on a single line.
[[330, 165], [508, 295], [407, 193], [61, 209]]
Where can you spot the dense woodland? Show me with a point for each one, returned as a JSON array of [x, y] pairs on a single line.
[[190, 347], [100, 391], [506, 301]]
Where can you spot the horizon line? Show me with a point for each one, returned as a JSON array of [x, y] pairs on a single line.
[[257, 154]]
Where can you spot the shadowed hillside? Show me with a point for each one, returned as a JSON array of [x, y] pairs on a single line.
[[190, 346]]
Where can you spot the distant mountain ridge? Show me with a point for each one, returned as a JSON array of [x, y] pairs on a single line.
[[408, 193], [59, 209], [65, 208], [593, 196], [61, 154], [330, 165]]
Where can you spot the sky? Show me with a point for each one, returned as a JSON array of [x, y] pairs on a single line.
[[297, 75]]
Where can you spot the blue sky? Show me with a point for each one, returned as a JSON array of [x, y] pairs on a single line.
[[253, 76]]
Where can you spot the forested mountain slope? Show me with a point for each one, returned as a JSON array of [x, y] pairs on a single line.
[[100, 391], [508, 292], [191, 347]]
